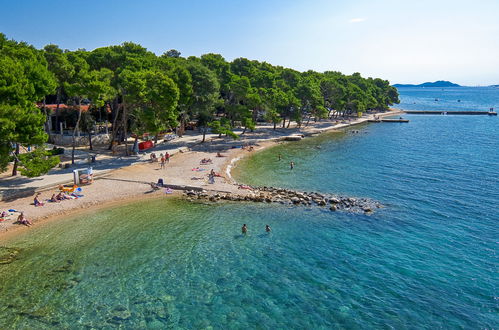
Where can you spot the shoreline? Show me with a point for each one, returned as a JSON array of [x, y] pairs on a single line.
[[131, 183]]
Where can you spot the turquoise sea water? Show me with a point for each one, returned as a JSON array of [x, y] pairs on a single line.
[[428, 260]]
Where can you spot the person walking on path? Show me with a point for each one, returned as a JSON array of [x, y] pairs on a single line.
[[162, 162], [167, 157]]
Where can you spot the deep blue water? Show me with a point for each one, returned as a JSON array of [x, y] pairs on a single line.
[[449, 98], [427, 260]]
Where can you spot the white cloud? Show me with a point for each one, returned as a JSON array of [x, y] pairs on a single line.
[[357, 20]]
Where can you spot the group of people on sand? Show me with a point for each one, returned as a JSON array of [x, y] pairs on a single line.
[[56, 198], [38, 203], [163, 159], [244, 229], [21, 219], [64, 193]]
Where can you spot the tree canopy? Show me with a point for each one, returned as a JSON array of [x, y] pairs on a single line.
[[150, 93]]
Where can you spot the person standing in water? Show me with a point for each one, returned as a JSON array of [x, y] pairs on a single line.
[[279, 157], [244, 229], [267, 229], [292, 165]]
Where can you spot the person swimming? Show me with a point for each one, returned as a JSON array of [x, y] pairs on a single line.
[[244, 229], [268, 229]]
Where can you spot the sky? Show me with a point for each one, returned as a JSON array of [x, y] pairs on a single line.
[[404, 41]]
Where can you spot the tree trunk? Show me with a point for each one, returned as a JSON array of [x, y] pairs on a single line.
[[115, 129], [289, 122], [125, 128], [16, 153], [90, 140], [204, 135], [308, 120], [47, 117], [74, 133], [136, 142], [284, 122], [181, 129], [275, 124], [58, 101], [156, 138]]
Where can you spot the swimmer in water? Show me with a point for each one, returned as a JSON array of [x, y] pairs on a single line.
[[267, 229], [292, 165], [244, 229]]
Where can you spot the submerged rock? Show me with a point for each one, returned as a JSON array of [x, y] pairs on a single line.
[[8, 255]]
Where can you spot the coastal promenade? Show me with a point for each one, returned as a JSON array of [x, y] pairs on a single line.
[[19, 186], [124, 179]]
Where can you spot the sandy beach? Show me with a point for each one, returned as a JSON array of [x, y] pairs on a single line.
[[132, 183]]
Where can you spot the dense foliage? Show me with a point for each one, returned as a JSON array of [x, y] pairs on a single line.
[[146, 93], [24, 80]]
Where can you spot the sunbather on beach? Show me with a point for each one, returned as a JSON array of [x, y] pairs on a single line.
[[23, 221], [37, 201], [54, 199], [220, 155], [61, 196]]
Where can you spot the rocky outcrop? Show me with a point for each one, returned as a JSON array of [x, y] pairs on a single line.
[[291, 197]]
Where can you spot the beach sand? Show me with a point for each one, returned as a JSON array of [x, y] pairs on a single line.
[[132, 183]]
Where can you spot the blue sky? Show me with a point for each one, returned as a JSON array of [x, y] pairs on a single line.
[[400, 40]]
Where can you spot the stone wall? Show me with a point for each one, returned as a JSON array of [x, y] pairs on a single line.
[[67, 140]]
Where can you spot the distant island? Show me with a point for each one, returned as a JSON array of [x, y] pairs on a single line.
[[439, 83]]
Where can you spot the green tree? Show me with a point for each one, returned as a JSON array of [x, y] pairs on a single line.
[[222, 126], [205, 93], [24, 80], [59, 65], [37, 162]]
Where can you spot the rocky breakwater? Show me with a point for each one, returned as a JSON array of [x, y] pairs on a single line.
[[290, 197]]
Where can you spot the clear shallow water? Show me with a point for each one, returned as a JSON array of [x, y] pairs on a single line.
[[449, 99], [429, 260]]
